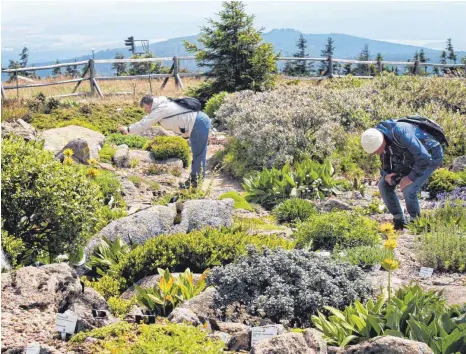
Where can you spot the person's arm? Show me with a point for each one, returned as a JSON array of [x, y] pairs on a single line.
[[405, 134], [153, 117]]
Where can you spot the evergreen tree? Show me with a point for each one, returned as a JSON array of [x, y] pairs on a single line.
[[347, 70], [423, 59], [56, 71], [451, 51], [146, 68], [233, 53], [72, 70], [327, 52], [443, 60], [23, 62], [375, 69], [363, 69], [13, 65], [120, 68], [298, 67]]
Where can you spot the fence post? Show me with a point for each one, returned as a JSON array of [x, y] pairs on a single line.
[[379, 66], [178, 82], [330, 67], [3, 93], [92, 76], [416, 67], [17, 84]]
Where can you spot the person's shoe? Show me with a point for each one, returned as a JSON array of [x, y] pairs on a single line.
[[400, 224], [188, 184]]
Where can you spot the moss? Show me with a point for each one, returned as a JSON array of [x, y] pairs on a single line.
[[240, 202], [106, 153]]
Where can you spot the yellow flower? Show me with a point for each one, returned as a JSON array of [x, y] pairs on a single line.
[[390, 264], [387, 228], [68, 152], [92, 162], [68, 160], [390, 244], [93, 172]]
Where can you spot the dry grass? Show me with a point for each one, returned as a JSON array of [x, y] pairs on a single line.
[[137, 88]]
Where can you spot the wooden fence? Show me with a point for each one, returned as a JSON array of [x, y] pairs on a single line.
[[89, 73]]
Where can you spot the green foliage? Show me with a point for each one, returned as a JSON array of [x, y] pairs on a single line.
[[443, 180], [121, 307], [340, 228], [164, 296], [214, 103], [198, 251], [293, 210], [13, 248], [240, 201], [110, 187], [107, 254], [51, 207], [166, 147], [362, 256], [160, 338], [136, 180], [106, 153], [285, 286], [411, 313], [450, 215], [308, 179], [133, 141], [106, 286], [376, 206], [237, 60]]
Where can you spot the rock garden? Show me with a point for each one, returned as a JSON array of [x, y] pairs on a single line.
[[286, 247]]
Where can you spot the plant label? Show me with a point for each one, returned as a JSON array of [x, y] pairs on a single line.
[[66, 322], [425, 195], [324, 254], [260, 333], [33, 348], [426, 272]]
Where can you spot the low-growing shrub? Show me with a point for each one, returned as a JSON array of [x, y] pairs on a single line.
[[136, 180], [52, 207], [106, 153], [451, 215], [198, 251], [107, 254], [106, 286], [166, 147], [362, 256], [121, 307], [110, 187], [164, 296], [286, 286], [212, 106], [132, 141], [340, 228], [160, 338], [293, 210], [240, 201], [443, 180], [13, 248]]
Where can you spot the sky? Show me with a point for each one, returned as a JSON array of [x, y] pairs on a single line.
[[79, 26]]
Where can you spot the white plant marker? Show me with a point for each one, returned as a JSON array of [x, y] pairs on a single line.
[[65, 323], [261, 333], [426, 272]]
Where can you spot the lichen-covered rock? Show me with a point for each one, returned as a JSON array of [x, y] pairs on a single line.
[[20, 128], [183, 315], [155, 131], [389, 345], [81, 152], [331, 205], [315, 340], [203, 304], [288, 343], [121, 157], [459, 164]]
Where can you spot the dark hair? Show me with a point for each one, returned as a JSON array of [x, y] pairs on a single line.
[[147, 99]]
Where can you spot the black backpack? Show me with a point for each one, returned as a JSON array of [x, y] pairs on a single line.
[[428, 126], [190, 103]]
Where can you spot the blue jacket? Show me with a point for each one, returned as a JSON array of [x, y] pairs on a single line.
[[413, 141]]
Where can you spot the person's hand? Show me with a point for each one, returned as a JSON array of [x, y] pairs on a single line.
[[405, 182], [388, 178], [123, 130]]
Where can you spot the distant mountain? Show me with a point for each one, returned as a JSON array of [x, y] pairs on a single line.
[[284, 42]]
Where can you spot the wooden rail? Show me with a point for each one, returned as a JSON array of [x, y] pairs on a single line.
[[90, 72]]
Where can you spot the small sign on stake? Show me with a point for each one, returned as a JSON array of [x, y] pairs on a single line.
[[264, 332], [33, 348], [65, 323], [426, 272]]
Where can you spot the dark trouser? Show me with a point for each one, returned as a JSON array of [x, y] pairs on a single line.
[[198, 140], [410, 192]]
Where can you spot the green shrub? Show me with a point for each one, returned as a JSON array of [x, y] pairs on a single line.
[[160, 338], [293, 210], [121, 307], [166, 147], [450, 215], [133, 141], [106, 153], [286, 286], [443, 180], [340, 228], [212, 106], [110, 187], [106, 286], [412, 313], [198, 251], [52, 207], [107, 254], [13, 248], [136, 180], [240, 202], [362, 256]]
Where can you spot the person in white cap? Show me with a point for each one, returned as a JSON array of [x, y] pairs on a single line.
[[409, 156]]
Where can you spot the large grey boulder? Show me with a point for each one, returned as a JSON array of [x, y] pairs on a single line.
[[203, 304], [332, 204], [32, 297], [198, 214], [459, 164], [288, 343], [183, 315], [389, 345], [56, 139], [138, 227], [121, 157], [81, 152], [20, 128], [315, 340]]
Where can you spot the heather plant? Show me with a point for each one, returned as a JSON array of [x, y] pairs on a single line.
[[293, 210], [166, 147], [362, 256], [286, 286], [456, 196], [342, 229]]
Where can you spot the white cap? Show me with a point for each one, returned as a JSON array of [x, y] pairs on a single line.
[[371, 140]]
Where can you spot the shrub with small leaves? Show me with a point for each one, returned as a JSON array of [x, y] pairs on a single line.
[[287, 286], [105, 286], [106, 153], [362, 256], [293, 210], [166, 147], [443, 180], [132, 141], [339, 228], [212, 106], [121, 307]]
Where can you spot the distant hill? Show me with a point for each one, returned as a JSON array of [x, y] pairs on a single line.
[[284, 42]]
